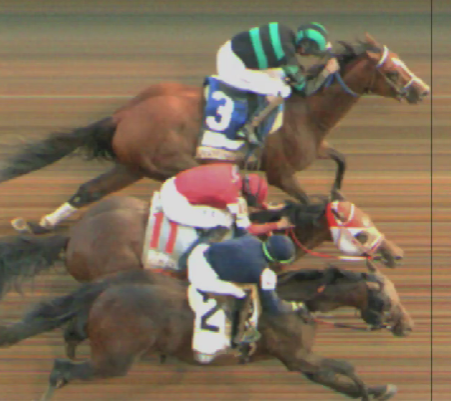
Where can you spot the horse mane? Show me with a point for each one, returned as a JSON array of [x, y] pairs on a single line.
[[349, 51], [298, 213], [330, 275]]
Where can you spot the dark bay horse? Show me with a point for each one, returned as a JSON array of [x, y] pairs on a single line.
[[156, 134], [139, 314], [109, 237]]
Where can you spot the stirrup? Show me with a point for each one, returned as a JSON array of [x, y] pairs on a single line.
[[248, 336], [247, 132]]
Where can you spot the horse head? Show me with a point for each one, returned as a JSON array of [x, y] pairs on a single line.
[[369, 67], [385, 309], [373, 294], [351, 229]]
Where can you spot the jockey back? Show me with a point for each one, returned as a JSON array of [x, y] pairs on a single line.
[[215, 268], [215, 195]]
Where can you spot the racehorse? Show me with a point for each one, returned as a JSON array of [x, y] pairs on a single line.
[[139, 313], [156, 134], [109, 238]]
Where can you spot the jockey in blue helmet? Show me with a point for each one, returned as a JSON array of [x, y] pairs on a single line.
[[215, 267]]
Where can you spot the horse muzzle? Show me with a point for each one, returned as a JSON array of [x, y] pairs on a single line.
[[415, 92]]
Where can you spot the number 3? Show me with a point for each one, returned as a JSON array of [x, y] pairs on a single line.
[[224, 112]]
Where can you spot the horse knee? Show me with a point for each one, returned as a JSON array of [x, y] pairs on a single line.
[[84, 196]]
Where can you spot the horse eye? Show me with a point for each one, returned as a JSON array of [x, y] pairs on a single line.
[[362, 237], [392, 75]]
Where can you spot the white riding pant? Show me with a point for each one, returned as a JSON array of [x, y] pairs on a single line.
[[178, 209], [202, 276], [232, 71]]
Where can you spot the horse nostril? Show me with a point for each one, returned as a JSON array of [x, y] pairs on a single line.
[[425, 93], [398, 257]]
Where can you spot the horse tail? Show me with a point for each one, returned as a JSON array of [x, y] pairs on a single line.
[[24, 257], [51, 314], [93, 142]]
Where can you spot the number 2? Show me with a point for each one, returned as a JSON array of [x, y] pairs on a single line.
[[224, 112], [208, 314]]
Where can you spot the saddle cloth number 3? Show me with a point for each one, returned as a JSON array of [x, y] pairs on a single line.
[[224, 111]]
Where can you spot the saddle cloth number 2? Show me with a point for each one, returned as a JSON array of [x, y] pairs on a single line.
[[210, 335]]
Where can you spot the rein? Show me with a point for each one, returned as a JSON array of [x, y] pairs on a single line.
[[379, 64]]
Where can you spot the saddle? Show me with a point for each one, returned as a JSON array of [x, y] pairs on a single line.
[[222, 328], [225, 128], [167, 245]]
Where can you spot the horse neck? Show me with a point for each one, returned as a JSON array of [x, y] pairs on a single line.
[[340, 295], [328, 107], [311, 236], [324, 298]]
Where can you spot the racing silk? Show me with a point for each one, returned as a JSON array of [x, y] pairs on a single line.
[[239, 260], [269, 46], [219, 185]]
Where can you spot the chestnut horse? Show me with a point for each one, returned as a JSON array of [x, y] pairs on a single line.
[[127, 318], [156, 134], [109, 237]]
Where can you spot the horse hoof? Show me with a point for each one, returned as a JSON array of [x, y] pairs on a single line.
[[20, 225], [384, 393], [24, 227]]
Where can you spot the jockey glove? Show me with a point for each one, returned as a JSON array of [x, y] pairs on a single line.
[[295, 76]]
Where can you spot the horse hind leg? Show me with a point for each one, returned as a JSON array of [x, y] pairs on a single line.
[[113, 180], [65, 371], [74, 335]]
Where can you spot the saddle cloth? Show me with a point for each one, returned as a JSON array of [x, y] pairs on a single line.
[[212, 331], [165, 241], [227, 109]]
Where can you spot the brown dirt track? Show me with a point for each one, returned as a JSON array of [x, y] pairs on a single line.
[[71, 67]]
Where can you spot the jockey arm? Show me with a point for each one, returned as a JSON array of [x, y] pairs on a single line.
[[244, 225]]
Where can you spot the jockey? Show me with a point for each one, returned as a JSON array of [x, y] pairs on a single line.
[[261, 59], [214, 268], [217, 195]]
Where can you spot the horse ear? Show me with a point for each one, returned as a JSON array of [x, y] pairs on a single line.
[[370, 40], [336, 195]]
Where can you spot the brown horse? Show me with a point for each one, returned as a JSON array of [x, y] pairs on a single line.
[[156, 134], [139, 313], [109, 237]]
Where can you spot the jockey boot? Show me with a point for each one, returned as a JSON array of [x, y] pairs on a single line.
[[248, 131], [243, 332]]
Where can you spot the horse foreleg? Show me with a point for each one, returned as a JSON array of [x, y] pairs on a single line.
[[328, 152], [287, 183], [337, 375], [113, 180]]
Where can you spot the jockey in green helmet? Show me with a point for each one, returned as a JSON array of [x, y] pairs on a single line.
[[261, 59]]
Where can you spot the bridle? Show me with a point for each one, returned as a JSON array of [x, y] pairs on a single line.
[[369, 327], [366, 253], [400, 91]]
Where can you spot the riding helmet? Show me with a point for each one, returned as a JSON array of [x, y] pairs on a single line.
[[313, 38], [279, 248]]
